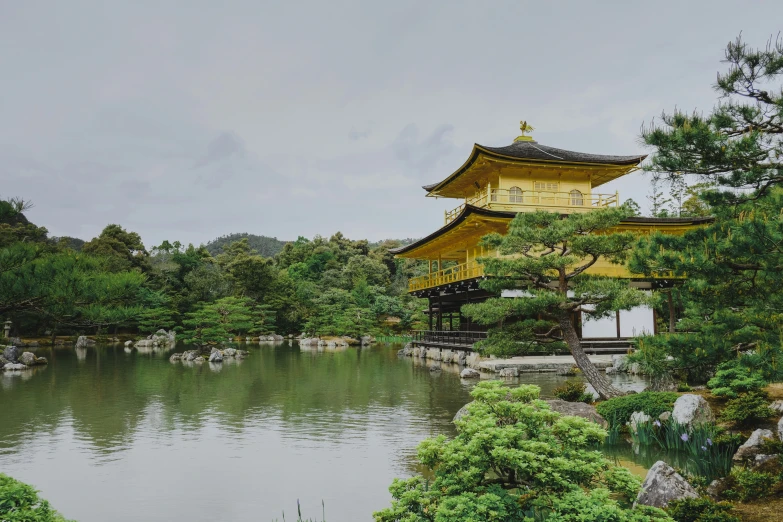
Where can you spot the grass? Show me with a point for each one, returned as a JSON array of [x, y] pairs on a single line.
[[299, 514]]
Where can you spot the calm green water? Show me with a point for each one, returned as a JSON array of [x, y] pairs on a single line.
[[108, 435]]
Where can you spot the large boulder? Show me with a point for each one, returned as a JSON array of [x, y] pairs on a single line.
[[690, 409], [128, 344], [229, 352], [752, 446], [14, 366], [29, 359], [638, 417], [461, 412], [577, 409], [83, 342], [620, 363], [215, 356], [508, 373], [163, 338], [11, 354], [144, 343], [777, 406], [175, 357], [469, 373], [663, 485]]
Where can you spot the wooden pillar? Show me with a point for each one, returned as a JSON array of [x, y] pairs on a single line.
[[618, 323], [440, 312], [429, 301]]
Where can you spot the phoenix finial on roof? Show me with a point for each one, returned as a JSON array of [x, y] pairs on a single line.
[[526, 128]]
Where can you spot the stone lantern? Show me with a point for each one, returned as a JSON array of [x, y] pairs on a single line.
[[7, 329]]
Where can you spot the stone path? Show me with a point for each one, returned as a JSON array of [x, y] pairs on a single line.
[[541, 363]]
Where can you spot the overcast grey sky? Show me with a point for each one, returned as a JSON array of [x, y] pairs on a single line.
[[188, 120]]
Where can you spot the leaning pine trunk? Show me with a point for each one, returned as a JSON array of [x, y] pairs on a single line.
[[596, 379]]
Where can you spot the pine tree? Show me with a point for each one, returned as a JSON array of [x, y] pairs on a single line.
[[546, 256], [731, 268]]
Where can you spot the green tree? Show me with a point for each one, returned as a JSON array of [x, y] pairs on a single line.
[[515, 459], [216, 322], [739, 145], [731, 268], [124, 249], [546, 256]]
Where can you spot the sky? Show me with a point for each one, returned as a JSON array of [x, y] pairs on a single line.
[[194, 119]]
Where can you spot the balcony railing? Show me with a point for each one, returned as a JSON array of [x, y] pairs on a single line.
[[455, 338], [456, 273], [527, 200]]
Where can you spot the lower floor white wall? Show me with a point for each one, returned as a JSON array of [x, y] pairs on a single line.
[[634, 322]]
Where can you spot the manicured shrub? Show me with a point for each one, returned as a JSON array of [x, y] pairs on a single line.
[[732, 379], [516, 459], [747, 409], [746, 485], [619, 409], [573, 391], [701, 510], [20, 502]]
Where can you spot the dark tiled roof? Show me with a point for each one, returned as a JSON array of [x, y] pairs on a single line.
[[532, 150], [470, 209], [536, 151]]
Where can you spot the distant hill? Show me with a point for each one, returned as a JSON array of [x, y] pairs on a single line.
[[266, 246]]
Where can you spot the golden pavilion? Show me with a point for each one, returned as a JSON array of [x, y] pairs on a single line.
[[492, 186]]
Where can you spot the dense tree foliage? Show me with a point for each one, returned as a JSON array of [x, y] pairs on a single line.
[[322, 286], [265, 246], [515, 459], [731, 269]]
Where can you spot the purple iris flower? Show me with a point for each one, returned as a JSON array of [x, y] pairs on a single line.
[[657, 423], [684, 437], [704, 448], [709, 442]]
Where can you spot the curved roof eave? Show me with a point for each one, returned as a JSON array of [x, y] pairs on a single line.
[[535, 152]]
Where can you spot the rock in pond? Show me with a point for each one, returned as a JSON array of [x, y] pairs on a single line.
[[469, 373], [175, 357], [14, 366], [577, 409], [83, 342], [11, 354], [29, 359], [690, 409], [128, 344], [638, 417], [752, 446], [663, 485], [461, 413], [509, 372], [216, 356]]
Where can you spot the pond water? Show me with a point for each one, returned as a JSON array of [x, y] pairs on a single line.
[[108, 434]]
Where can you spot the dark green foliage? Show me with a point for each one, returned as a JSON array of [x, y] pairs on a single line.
[[747, 409], [730, 299], [216, 322], [619, 409], [263, 245], [701, 510], [21, 503], [732, 379], [746, 484], [123, 250], [573, 391]]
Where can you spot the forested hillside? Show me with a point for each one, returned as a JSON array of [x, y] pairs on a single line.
[[265, 246], [245, 285]]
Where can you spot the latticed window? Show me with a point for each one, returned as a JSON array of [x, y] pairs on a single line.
[[577, 199], [546, 185], [515, 195]]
